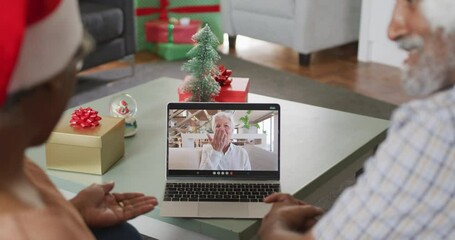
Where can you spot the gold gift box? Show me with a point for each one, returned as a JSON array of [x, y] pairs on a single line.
[[87, 150]]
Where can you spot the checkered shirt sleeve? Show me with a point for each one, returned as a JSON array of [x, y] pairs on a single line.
[[408, 188]]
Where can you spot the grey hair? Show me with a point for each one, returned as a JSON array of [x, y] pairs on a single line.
[[439, 14], [224, 115]]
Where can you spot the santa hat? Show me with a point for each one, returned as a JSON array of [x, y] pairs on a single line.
[[38, 38]]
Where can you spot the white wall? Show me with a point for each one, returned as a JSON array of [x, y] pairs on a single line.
[[374, 46]]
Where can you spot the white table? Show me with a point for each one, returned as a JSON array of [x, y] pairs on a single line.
[[316, 144]]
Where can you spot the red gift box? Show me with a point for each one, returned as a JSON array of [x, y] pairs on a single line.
[[206, 11], [237, 91], [161, 31]]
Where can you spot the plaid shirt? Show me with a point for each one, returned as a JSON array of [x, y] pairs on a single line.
[[408, 188]]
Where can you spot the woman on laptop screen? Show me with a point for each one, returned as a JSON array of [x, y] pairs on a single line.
[[220, 153]]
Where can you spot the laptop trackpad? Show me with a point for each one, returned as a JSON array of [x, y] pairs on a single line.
[[223, 210]]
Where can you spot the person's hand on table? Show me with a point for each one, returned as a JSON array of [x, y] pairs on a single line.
[[219, 141], [288, 218], [101, 208]]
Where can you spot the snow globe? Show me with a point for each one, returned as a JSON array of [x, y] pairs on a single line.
[[125, 106]]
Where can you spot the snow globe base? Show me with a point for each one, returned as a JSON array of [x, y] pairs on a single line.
[[130, 127]]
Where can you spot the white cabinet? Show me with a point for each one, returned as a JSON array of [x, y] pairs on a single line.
[[374, 46]]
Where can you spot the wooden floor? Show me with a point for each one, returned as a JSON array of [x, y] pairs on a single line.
[[337, 66]]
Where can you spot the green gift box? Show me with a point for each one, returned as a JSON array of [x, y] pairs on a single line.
[[207, 11], [169, 51]]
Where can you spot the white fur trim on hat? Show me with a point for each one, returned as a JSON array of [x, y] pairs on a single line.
[[440, 14], [48, 46]]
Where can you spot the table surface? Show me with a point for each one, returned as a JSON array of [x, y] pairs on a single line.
[[315, 144]]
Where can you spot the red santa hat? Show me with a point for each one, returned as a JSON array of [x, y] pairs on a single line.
[[38, 38]]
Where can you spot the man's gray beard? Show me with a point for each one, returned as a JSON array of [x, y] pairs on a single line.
[[429, 75], [423, 79]]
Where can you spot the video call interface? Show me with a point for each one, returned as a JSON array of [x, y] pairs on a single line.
[[223, 142]]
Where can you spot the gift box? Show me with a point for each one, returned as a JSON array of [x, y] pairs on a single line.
[[206, 11], [87, 150], [143, 15], [237, 91], [159, 31], [169, 51]]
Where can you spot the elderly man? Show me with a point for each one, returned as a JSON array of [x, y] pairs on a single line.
[[221, 154], [42, 44], [407, 190]]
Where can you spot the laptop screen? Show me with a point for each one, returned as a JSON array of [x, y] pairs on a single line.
[[223, 140]]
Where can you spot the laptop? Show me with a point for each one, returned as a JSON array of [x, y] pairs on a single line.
[[203, 181]]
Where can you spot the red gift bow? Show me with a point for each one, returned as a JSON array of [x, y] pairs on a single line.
[[163, 9], [224, 78], [85, 118]]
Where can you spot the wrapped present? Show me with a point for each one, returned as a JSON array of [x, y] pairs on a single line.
[[143, 15], [169, 51], [206, 11], [160, 31], [88, 150], [236, 91], [224, 76]]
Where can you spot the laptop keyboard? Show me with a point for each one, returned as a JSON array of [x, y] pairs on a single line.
[[219, 192]]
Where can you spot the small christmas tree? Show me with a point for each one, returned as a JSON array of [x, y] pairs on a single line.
[[202, 66]]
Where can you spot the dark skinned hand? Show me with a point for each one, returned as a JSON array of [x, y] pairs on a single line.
[[101, 208]]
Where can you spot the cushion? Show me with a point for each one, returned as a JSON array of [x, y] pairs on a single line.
[[260, 159], [184, 158], [103, 22]]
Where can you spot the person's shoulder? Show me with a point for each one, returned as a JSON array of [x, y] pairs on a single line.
[[29, 165], [437, 109], [233, 146], [207, 147], [240, 148], [35, 172]]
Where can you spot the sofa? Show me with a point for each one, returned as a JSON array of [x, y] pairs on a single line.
[[111, 23], [306, 26], [190, 158]]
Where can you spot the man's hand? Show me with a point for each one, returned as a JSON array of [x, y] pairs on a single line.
[[101, 208], [283, 197], [288, 218], [219, 141]]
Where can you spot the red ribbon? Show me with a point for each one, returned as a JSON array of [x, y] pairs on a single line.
[[85, 118], [224, 78], [163, 9]]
